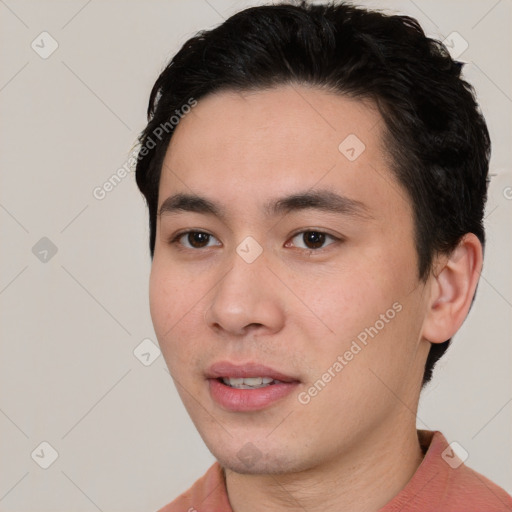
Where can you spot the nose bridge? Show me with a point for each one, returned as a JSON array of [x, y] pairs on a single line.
[[244, 296]]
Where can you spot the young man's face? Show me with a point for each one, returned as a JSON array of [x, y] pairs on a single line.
[[336, 311]]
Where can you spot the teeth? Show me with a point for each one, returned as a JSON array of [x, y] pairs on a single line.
[[234, 382], [248, 382], [252, 381]]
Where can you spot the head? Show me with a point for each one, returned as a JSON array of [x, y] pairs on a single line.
[[267, 118]]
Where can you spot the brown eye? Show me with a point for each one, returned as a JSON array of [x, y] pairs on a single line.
[[311, 239], [198, 239], [195, 239]]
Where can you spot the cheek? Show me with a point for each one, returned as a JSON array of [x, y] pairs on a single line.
[[365, 311], [344, 300], [161, 301], [172, 292], [171, 301]]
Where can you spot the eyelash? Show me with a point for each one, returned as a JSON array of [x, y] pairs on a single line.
[[175, 240]]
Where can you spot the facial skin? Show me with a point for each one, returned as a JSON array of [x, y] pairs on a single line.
[[296, 310]]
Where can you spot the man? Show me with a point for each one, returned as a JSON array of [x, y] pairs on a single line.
[[316, 177]]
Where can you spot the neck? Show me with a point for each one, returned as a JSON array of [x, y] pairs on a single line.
[[363, 481]]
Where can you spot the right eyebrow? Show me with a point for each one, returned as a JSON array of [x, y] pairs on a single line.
[[190, 203]]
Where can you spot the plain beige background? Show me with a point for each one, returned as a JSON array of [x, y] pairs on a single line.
[[73, 372]]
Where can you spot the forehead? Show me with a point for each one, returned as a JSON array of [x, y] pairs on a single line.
[[283, 123], [249, 145]]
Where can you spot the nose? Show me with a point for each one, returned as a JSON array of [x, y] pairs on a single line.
[[247, 299]]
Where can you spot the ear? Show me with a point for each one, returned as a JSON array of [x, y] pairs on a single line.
[[453, 285]]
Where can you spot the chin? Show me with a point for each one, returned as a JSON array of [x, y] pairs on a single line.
[[262, 467], [250, 459]]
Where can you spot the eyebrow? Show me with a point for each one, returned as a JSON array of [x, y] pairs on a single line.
[[324, 200]]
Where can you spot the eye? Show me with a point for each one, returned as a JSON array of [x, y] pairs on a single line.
[[311, 239], [194, 239]]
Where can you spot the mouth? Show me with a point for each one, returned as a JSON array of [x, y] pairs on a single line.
[[253, 375], [248, 382], [248, 387]]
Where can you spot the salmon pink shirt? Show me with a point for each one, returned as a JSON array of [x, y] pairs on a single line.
[[442, 483]]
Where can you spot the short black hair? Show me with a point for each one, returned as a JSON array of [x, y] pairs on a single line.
[[437, 138]]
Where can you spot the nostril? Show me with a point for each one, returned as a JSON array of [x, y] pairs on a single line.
[[255, 325]]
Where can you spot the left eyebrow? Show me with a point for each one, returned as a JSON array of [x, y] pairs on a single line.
[[324, 200]]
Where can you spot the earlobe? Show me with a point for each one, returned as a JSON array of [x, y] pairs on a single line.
[[453, 286]]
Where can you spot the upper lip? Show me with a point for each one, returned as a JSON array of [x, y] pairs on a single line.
[[226, 369]]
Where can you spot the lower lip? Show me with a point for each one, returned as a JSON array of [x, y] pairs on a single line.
[[233, 399]]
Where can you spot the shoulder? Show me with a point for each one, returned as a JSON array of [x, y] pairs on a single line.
[[469, 490], [464, 488], [444, 482], [207, 494]]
